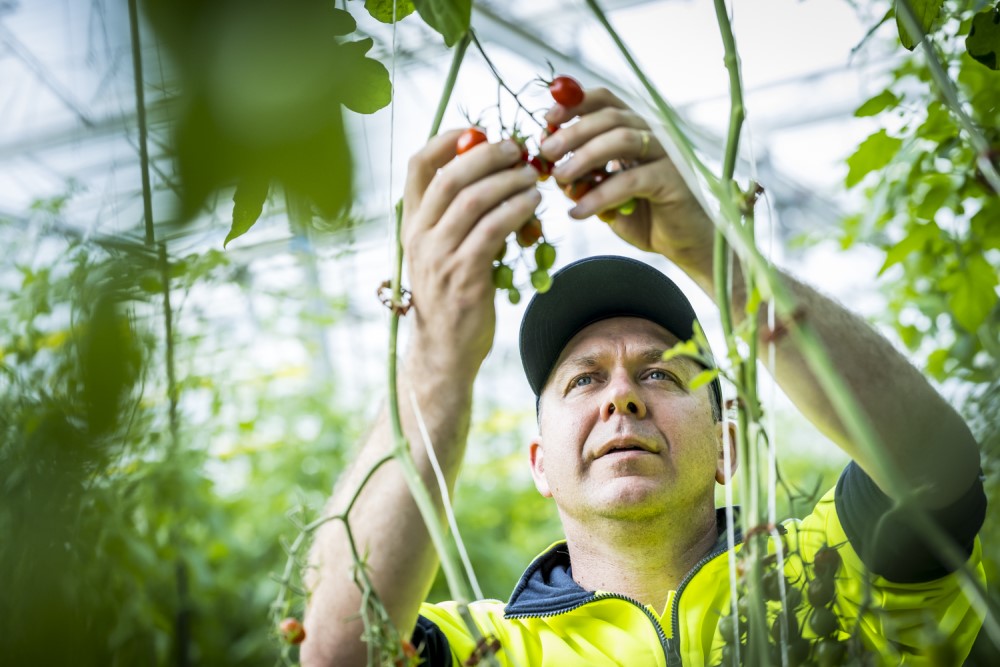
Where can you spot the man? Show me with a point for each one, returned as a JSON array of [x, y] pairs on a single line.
[[629, 452]]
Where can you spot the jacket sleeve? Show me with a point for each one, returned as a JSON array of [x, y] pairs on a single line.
[[888, 543], [432, 644]]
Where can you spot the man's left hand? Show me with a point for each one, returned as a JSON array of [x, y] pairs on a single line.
[[667, 219]]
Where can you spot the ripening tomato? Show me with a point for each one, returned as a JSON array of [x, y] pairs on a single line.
[[410, 655], [469, 138], [529, 233], [566, 90], [292, 631], [542, 166]]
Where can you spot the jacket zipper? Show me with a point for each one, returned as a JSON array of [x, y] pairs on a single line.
[[665, 643], [674, 658]]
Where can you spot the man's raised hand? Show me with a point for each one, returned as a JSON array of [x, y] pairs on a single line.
[[457, 213]]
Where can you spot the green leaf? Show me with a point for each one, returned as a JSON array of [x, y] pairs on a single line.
[[971, 292], [449, 17], [925, 12], [875, 152], [939, 190], [687, 348], [939, 125], [983, 42], [936, 364], [381, 10], [342, 23], [703, 378], [918, 237], [369, 88], [986, 225], [248, 202], [876, 105]]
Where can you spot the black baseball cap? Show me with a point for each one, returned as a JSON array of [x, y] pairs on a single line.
[[594, 289]]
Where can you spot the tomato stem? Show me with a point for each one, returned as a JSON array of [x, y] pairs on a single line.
[[502, 83]]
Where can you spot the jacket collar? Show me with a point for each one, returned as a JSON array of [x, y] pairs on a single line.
[[547, 585]]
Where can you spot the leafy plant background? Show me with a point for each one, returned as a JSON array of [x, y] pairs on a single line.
[[134, 537]]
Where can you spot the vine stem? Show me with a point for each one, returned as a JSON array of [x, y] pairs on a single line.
[[671, 119], [948, 90], [458, 584], [749, 414]]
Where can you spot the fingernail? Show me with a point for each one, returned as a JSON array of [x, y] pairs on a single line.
[[561, 171], [509, 148], [576, 211]]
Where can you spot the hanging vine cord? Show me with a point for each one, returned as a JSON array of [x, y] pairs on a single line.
[[140, 114], [445, 496]]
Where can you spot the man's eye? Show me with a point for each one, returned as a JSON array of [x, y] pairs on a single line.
[[582, 381], [657, 374]]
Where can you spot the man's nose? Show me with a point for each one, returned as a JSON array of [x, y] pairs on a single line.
[[622, 396]]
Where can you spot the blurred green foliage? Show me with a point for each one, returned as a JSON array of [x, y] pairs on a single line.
[[130, 540], [932, 213], [121, 544]]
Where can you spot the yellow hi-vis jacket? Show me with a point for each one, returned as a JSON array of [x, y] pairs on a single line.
[[912, 602]]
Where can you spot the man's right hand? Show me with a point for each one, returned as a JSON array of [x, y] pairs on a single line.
[[457, 213]]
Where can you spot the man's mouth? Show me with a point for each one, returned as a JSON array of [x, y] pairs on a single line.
[[626, 445]]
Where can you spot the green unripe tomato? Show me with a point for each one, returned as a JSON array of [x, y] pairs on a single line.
[[503, 277], [545, 255], [541, 280], [824, 622]]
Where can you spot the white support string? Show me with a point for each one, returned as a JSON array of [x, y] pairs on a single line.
[[779, 551], [391, 208], [445, 496]]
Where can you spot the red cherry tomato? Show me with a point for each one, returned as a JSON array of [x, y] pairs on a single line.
[[471, 137], [566, 91], [292, 631], [542, 166]]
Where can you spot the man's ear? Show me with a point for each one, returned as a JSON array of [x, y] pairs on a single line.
[[537, 455], [725, 432]]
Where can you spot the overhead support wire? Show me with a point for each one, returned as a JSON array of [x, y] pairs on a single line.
[[42, 73]]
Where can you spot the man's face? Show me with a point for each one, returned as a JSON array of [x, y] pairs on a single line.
[[621, 433]]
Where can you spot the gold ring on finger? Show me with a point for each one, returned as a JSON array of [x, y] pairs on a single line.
[[644, 148]]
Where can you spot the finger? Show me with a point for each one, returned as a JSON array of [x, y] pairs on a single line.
[[642, 182], [466, 169], [477, 201], [608, 142], [593, 99], [483, 240], [424, 164]]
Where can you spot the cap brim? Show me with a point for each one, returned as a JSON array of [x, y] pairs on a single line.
[[594, 289]]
